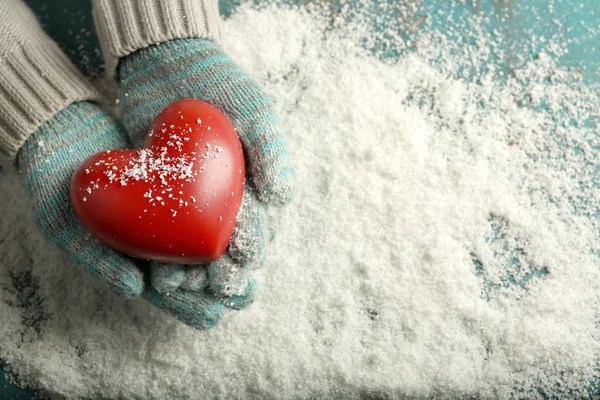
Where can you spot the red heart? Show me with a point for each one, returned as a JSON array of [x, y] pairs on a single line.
[[174, 200]]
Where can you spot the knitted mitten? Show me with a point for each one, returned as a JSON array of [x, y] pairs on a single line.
[[155, 76], [47, 161]]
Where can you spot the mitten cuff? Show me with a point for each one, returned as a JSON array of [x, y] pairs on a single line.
[[37, 80], [125, 26]]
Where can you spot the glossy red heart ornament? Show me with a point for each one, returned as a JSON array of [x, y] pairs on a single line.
[[176, 199]]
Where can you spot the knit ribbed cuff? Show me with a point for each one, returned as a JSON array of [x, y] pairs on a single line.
[[37, 80], [125, 26]]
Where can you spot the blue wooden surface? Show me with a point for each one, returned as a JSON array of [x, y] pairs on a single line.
[[10, 391], [69, 21]]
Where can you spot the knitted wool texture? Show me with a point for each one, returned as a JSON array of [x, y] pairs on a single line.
[[195, 68], [37, 80], [47, 160]]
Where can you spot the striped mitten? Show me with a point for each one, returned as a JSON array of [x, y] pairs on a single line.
[[155, 76], [47, 161]]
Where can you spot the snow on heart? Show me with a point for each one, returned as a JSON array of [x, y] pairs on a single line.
[[147, 202]]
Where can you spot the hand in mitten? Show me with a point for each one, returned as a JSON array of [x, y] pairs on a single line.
[[195, 68], [47, 161]]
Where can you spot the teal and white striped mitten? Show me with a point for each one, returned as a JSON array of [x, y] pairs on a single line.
[[47, 161], [195, 68]]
